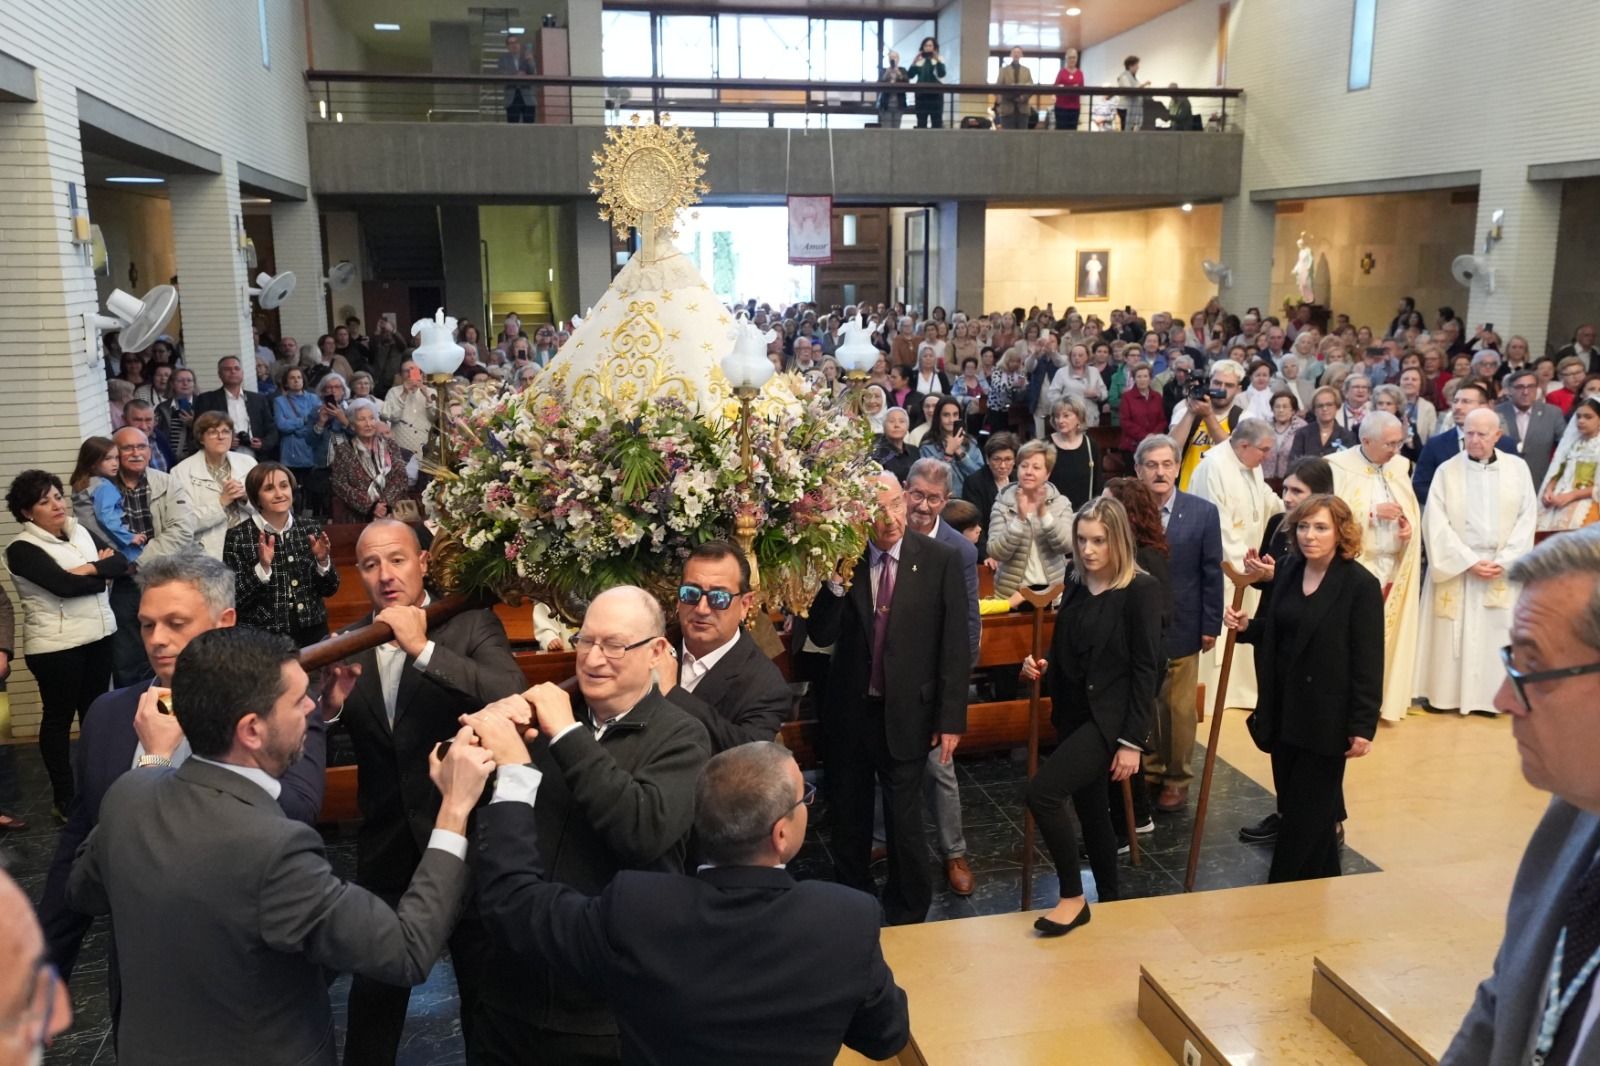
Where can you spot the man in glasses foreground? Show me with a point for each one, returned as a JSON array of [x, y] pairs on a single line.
[[34, 1006], [784, 971], [615, 775], [1540, 1005], [724, 678]]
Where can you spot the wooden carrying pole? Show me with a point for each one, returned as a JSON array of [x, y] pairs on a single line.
[[340, 646], [1240, 583], [1038, 601]]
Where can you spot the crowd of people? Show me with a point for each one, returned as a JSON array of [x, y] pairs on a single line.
[[1135, 470]]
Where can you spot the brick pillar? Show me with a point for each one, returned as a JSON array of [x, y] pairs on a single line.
[[297, 246], [211, 271], [1247, 229], [1524, 261]]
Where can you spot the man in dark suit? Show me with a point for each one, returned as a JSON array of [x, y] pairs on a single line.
[[1582, 347], [897, 685], [1470, 396], [254, 426], [1535, 427], [927, 491], [801, 956], [723, 678], [181, 597], [407, 698], [226, 914], [1553, 698], [1194, 541], [616, 792]]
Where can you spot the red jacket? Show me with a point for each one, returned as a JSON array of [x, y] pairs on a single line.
[[1141, 416]]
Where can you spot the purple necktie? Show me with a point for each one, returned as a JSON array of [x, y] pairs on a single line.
[[880, 622]]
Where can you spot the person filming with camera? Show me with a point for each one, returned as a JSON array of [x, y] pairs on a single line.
[[1206, 416]]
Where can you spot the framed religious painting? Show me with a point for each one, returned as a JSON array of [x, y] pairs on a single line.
[[1094, 275]]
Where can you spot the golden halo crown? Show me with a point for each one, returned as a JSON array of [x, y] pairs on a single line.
[[647, 169]]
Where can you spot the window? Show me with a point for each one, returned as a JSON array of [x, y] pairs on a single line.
[[261, 22], [1362, 32], [847, 226], [625, 45]]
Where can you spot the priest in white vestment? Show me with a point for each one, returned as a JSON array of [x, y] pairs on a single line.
[[1230, 477], [1480, 519], [1375, 480]]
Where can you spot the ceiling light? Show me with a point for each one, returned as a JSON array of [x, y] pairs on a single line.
[[133, 180], [254, 200], [518, 30], [1187, 207], [1074, 12], [387, 27]]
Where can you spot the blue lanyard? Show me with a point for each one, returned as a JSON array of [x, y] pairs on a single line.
[[1556, 1002]]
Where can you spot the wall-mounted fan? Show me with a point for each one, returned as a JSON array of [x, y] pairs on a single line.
[[340, 275], [273, 289], [139, 321], [1469, 269], [1217, 273]]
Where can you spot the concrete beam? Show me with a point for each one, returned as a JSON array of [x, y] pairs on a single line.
[[270, 185], [1416, 183], [17, 82], [111, 131], [1578, 168], [548, 162]]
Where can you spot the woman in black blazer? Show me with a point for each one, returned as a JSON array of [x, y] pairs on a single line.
[[294, 555], [1319, 674], [1101, 677]]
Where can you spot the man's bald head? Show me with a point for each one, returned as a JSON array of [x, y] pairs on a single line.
[[22, 961], [632, 606], [1480, 432], [392, 564], [133, 453]]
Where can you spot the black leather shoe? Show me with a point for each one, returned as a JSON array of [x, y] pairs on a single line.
[[1048, 928], [1263, 832]]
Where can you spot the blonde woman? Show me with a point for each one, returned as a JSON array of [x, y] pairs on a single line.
[[1079, 379], [1029, 528]]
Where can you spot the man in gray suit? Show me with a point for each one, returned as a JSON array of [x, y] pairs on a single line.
[[1552, 693], [1535, 427], [226, 913]]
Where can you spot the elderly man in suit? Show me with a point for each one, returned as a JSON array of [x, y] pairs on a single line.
[[1540, 1003], [616, 779], [802, 956], [1194, 541], [1470, 396], [250, 412], [724, 678], [1535, 427], [407, 699], [181, 596], [226, 914], [897, 686]]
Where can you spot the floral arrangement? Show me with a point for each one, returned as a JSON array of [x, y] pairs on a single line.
[[560, 500]]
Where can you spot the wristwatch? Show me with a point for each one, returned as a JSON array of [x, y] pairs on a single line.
[[154, 760]]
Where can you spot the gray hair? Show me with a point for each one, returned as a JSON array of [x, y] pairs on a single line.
[[1392, 393], [365, 403], [900, 411], [205, 575], [1376, 423], [328, 379], [935, 471], [1183, 362], [742, 793], [1153, 442], [1257, 431], [1576, 553], [1077, 406], [1351, 379]]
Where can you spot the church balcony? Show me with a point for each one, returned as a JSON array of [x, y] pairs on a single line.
[[442, 137]]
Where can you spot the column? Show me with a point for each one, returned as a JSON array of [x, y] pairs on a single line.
[[463, 263], [211, 271], [583, 44], [1523, 261], [454, 51], [1247, 229], [959, 282], [963, 32], [592, 239], [344, 242], [297, 243]]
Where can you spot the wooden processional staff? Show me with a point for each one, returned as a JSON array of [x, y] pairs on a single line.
[[1038, 601], [1240, 583]]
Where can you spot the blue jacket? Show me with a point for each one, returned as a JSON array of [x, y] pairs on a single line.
[[968, 551], [1436, 451], [302, 440], [969, 462], [1194, 543]]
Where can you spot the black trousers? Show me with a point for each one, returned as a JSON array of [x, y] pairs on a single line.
[[69, 681], [1078, 770], [376, 1012], [856, 764], [1311, 804], [503, 1040], [129, 663], [519, 109], [930, 111], [1066, 118]]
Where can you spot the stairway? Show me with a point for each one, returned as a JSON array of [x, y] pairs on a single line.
[[493, 23], [402, 243]]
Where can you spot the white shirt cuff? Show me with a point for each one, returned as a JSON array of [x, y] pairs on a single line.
[[1130, 745], [517, 783], [446, 841], [323, 568], [557, 738], [835, 588], [264, 573], [424, 656]]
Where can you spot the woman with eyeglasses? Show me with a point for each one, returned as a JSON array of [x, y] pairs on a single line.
[[1319, 672], [1322, 435], [215, 477]]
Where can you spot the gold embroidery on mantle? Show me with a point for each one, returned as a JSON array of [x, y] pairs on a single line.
[[637, 366]]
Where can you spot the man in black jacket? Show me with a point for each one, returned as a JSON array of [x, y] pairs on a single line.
[[407, 699], [897, 686], [725, 679], [691, 964], [254, 426], [616, 792]]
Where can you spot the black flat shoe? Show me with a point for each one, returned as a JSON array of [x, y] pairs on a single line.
[[1048, 928]]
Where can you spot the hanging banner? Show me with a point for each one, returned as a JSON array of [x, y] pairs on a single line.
[[810, 230]]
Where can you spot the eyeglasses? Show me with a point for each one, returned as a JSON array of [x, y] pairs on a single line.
[[808, 796], [41, 998], [1520, 679], [719, 599], [133, 448], [918, 496], [612, 649]]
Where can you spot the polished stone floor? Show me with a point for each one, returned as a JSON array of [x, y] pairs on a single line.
[[991, 800]]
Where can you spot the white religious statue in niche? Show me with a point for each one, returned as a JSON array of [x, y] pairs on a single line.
[[1305, 270], [1091, 276]]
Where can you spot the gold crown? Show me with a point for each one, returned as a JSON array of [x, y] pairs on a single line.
[[647, 171]]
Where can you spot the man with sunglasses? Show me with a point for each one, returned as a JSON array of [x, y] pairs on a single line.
[[34, 1006], [616, 773], [1540, 1004], [723, 678]]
